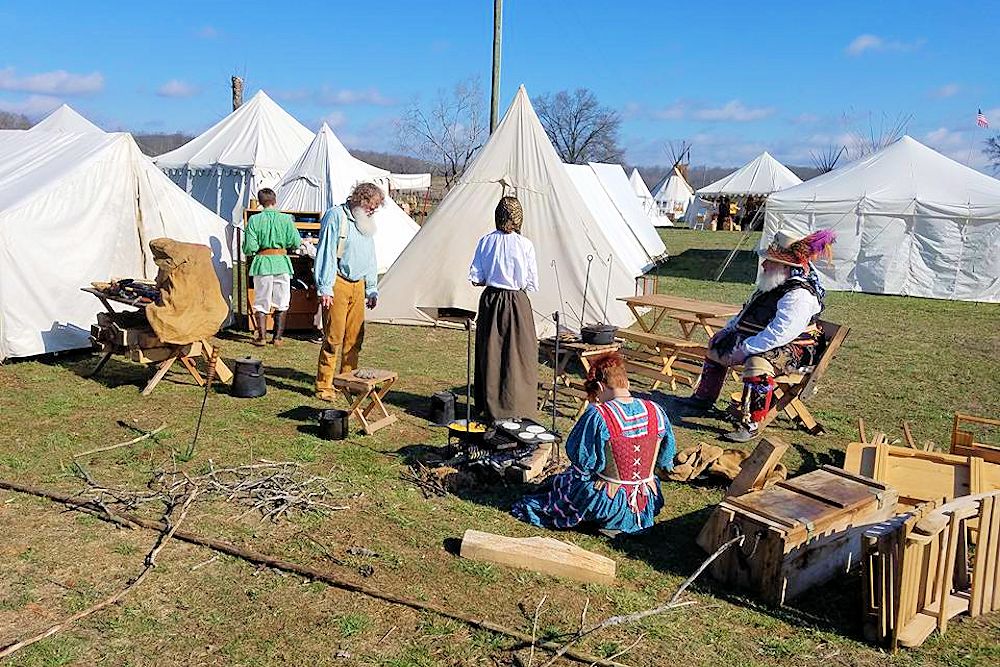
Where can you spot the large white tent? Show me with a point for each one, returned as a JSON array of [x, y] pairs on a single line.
[[65, 119], [628, 248], [325, 174], [432, 273], [76, 208], [672, 196], [249, 149], [615, 183], [909, 221], [761, 176]]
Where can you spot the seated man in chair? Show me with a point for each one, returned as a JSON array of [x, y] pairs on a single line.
[[775, 333]]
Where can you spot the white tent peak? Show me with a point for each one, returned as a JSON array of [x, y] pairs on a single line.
[[517, 160], [761, 176], [672, 195], [260, 134], [66, 119], [324, 175]]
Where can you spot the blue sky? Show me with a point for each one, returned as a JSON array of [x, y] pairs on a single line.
[[742, 77]]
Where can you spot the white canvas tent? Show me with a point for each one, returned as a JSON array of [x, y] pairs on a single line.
[[761, 176], [643, 193], [77, 208], [65, 119], [672, 196], [249, 149], [627, 249], [909, 221], [698, 213], [615, 183], [432, 273], [323, 177]]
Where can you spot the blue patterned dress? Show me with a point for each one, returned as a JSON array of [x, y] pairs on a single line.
[[615, 449]]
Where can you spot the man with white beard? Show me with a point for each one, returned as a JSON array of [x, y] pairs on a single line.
[[346, 274], [774, 333]]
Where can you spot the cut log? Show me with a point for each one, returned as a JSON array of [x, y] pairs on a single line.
[[542, 554]]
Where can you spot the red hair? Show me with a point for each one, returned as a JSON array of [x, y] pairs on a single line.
[[607, 369]]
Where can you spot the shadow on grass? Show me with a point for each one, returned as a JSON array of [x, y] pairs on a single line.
[[290, 379], [703, 264]]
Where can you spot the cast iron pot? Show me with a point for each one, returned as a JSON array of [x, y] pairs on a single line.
[[334, 424], [248, 378], [598, 334]]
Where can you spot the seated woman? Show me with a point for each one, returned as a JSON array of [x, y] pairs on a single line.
[[616, 449]]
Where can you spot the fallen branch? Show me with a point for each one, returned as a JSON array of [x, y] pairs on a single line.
[[534, 630], [673, 603], [142, 437], [304, 571], [149, 564]]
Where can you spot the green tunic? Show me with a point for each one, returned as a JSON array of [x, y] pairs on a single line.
[[270, 229]]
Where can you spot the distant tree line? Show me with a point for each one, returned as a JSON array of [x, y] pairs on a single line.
[[14, 121]]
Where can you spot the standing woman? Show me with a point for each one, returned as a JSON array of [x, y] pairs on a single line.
[[506, 382]]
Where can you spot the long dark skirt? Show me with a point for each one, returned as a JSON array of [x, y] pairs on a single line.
[[506, 355]]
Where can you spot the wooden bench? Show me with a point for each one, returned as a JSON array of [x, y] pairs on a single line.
[[792, 389], [664, 359], [573, 388]]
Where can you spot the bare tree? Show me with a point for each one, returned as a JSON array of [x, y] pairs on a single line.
[[992, 152], [878, 134], [826, 159], [448, 131], [579, 127], [13, 121]]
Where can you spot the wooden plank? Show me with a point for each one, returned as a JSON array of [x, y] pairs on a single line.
[[908, 436], [541, 554], [980, 563], [917, 630], [991, 586], [755, 470], [532, 466], [831, 489], [783, 506]]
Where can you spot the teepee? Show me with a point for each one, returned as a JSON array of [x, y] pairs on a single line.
[[672, 196], [324, 175], [432, 274]]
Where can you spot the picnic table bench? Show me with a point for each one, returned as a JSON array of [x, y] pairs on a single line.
[[663, 359]]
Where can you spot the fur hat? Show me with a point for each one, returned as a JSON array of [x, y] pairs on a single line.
[[793, 250]]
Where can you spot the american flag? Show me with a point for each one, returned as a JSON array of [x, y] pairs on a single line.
[[981, 119]]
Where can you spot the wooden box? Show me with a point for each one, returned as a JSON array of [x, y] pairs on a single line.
[[799, 533]]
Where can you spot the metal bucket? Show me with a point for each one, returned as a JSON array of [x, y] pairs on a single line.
[[248, 378], [442, 408], [334, 424]]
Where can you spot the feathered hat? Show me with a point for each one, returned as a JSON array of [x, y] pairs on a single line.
[[792, 250]]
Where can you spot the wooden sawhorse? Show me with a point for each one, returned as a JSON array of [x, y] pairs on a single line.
[[359, 390]]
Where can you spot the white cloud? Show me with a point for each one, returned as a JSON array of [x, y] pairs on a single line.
[[335, 119], [56, 82], [177, 88], [327, 96], [33, 106], [960, 145], [869, 42], [947, 90], [675, 111], [806, 119], [207, 32], [734, 111]]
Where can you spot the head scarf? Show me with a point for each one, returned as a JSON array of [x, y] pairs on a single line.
[[509, 215]]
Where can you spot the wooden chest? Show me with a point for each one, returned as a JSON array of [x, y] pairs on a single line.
[[799, 533]]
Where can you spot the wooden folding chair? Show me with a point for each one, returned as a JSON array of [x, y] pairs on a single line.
[[793, 389], [359, 391]]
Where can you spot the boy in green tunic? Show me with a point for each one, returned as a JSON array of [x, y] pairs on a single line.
[[269, 236]]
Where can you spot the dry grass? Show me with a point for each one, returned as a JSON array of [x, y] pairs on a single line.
[[911, 359]]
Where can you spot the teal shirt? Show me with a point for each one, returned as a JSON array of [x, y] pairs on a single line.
[[270, 229], [358, 262]]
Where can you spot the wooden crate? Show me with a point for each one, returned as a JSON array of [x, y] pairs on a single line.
[[800, 532]]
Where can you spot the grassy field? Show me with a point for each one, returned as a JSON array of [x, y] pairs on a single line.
[[912, 359]]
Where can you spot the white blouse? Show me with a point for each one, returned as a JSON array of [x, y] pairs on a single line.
[[506, 261]]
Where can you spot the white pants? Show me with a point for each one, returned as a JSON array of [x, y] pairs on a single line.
[[272, 292]]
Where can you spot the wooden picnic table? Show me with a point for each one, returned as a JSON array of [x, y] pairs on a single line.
[[568, 351], [689, 313]]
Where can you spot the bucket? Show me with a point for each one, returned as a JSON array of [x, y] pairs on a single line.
[[248, 378], [334, 424], [442, 408]]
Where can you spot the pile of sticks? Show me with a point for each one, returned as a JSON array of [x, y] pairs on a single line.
[[272, 488]]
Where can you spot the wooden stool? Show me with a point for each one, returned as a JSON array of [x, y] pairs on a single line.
[[360, 390]]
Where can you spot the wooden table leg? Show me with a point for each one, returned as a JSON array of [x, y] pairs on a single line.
[[638, 318], [100, 364], [160, 372], [222, 372], [193, 370]]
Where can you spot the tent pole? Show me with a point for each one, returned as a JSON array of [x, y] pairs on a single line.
[[497, 38], [746, 235]]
